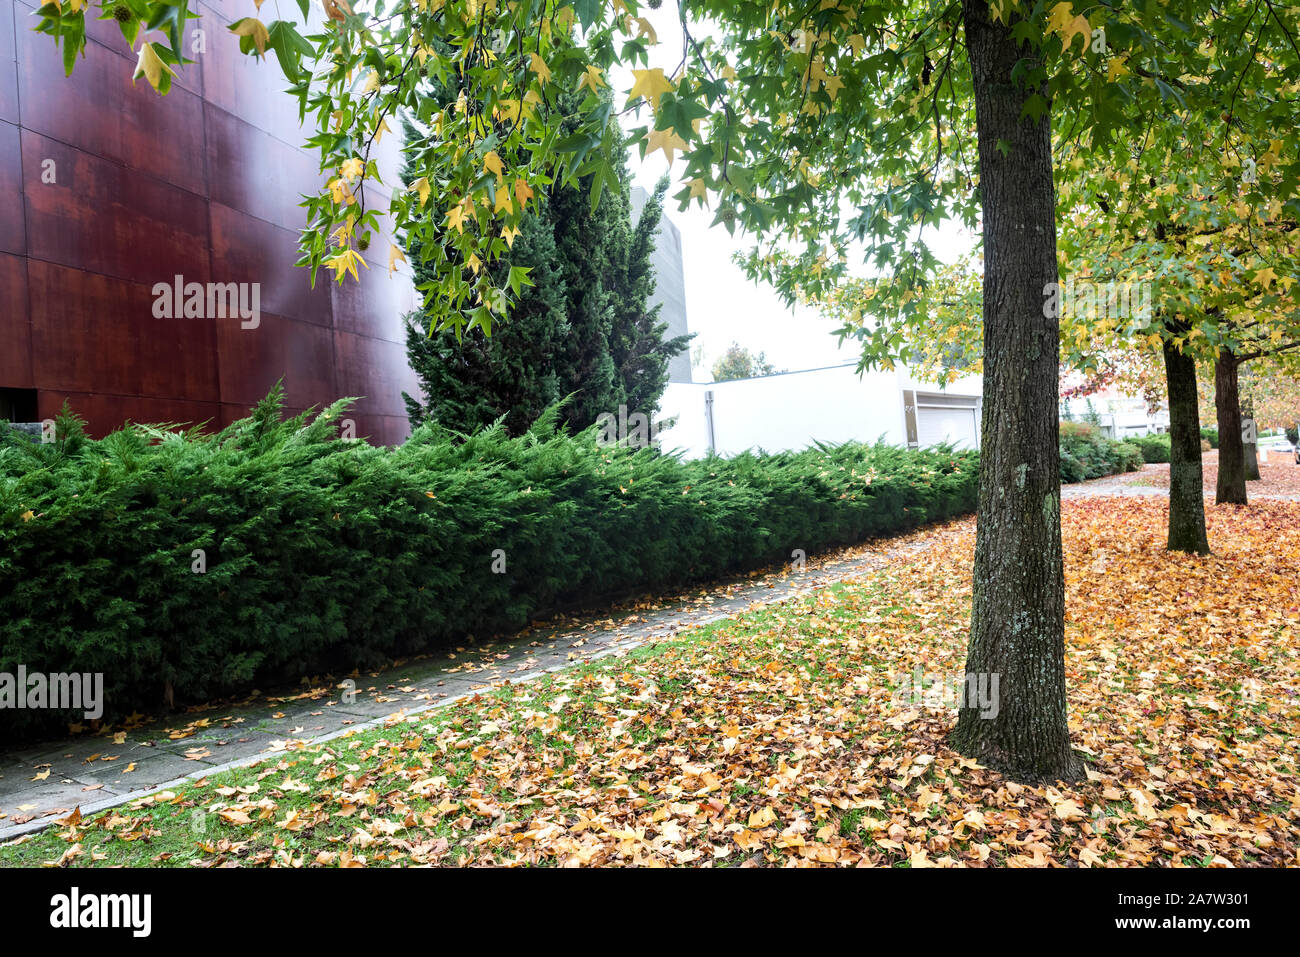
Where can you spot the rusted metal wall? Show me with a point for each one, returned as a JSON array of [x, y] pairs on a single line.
[[107, 189]]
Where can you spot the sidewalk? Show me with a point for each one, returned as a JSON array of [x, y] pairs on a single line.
[[41, 783]]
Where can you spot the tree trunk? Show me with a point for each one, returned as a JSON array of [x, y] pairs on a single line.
[[1017, 635], [1186, 495], [1231, 485]]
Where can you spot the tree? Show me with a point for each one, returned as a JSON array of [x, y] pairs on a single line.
[[739, 363], [813, 127], [581, 330], [473, 382]]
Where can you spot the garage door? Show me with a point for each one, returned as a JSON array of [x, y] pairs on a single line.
[[955, 426]]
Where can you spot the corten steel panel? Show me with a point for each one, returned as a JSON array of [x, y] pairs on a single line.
[[376, 371], [253, 360], [15, 326], [203, 183], [107, 34], [256, 173], [101, 112], [102, 217], [13, 231], [248, 249], [104, 413], [8, 68], [375, 306], [92, 333], [249, 88], [382, 429]]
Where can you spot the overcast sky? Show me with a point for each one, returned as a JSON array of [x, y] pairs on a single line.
[[722, 305]]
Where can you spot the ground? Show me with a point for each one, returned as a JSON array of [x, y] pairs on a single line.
[[794, 734]]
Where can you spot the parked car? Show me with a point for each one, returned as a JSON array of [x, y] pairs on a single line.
[[1281, 446]]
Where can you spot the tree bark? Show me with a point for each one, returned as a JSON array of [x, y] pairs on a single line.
[[1231, 485], [1017, 619], [1186, 495]]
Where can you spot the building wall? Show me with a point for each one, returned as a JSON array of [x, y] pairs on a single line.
[[670, 284], [203, 183], [790, 411]]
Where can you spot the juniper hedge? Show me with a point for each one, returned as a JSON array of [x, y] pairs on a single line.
[[186, 566]]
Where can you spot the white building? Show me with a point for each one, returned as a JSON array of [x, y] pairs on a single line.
[[790, 411], [1118, 415]]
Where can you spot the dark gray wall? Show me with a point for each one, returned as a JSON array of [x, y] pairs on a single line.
[[670, 284]]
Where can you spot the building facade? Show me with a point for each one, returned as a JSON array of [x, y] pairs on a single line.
[[110, 195], [790, 411], [670, 284]]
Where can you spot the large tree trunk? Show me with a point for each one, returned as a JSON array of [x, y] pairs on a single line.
[[1186, 495], [1017, 620], [1231, 485]]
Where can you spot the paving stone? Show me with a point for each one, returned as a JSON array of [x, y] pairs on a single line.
[[151, 768]]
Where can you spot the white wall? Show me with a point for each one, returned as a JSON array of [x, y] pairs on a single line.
[[790, 411]]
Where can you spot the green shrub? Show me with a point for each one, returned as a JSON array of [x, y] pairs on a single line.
[[1211, 435], [1087, 454], [1154, 448], [325, 554]]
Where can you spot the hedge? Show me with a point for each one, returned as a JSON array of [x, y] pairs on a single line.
[[1210, 434], [322, 555], [1087, 454], [1154, 448]]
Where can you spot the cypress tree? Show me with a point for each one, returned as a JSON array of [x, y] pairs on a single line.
[[584, 331]]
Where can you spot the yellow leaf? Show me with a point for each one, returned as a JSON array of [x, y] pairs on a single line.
[[666, 140], [540, 68], [456, 216], [149, 65], [345, 262], [651, 84], [492, 164], [422, 189], [395, 255], [523, 192], [591, 79], [255, 30], [644, 29], [762, 817]]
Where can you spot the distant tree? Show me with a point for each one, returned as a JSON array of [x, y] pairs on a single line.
[[738, 363]]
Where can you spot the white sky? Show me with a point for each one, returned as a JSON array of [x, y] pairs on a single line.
[[722, 305]]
